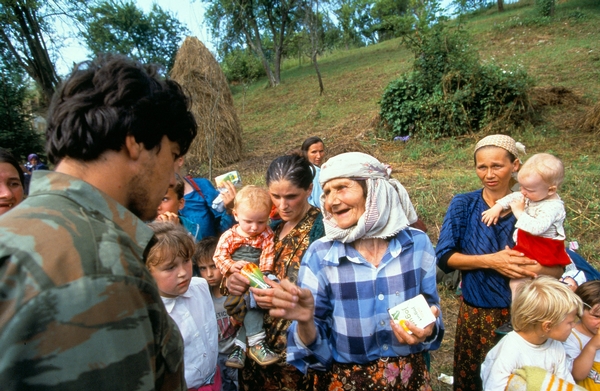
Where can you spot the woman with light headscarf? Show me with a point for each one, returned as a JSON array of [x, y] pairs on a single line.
[[483, 255], [369, 261]]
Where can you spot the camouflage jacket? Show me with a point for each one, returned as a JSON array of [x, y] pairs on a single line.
[[78, 308]]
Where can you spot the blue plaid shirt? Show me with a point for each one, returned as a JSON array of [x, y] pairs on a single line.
[[352, 298]]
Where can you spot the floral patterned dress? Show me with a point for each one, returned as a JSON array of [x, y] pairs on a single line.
[[288, 254]]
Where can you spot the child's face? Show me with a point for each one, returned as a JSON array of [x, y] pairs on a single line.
[[173, 277], [534, 188], [591, 318], [170, 203], [561, 331], [211, 274], [252, 222]]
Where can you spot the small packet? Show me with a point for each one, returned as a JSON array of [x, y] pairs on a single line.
[[415, 310], [231, 176], [255, 276]]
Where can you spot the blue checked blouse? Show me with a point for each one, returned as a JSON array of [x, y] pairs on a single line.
[[352, 298]]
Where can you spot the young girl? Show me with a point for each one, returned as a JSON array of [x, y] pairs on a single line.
[[187, 300], [251, 240], [543, 314], [539, 211], [583, 344]]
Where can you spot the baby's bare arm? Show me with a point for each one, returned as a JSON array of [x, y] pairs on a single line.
[[491, 215]]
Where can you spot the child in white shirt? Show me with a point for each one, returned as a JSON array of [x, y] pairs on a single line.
[[583, 345], [543, 314], [539, 211], [187, 300]]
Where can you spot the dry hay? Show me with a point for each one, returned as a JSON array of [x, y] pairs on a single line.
[[553, 96], [219, 129], [590, 121]]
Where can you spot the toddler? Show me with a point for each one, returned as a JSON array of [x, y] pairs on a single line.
[[543, 314], [583, 345], [171, 204], [539, 211], [251, 240], [203, 260], [187, 300]]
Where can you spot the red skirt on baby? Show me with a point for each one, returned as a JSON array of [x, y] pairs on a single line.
[[546, 251]]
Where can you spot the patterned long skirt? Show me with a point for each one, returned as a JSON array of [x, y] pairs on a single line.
[[475, 337], [393, 373]]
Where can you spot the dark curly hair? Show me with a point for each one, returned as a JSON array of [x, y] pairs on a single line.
[[109, 98]]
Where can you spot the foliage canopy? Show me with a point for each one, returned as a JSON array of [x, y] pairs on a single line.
[[121, 27], [450, 92]]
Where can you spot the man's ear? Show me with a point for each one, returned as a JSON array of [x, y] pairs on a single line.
[[133, 148]]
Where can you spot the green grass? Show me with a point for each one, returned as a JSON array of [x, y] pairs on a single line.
[[564, 51]]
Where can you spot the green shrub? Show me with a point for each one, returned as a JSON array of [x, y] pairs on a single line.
[[449, 92], [242, 66], [545, 7]]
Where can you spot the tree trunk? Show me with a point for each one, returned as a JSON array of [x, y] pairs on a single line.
[[314, 43], [500, 5], [37, 63], [256, 45]]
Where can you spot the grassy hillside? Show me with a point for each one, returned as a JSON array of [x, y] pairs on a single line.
[[562, 52]]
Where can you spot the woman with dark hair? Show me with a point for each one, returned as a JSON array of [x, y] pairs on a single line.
[[289, 179], [11, 182], [313, 150], [483, 255], [369, 262]]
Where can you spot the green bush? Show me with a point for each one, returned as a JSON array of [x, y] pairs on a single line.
[[545, 7], [242, 66], [449, 92]]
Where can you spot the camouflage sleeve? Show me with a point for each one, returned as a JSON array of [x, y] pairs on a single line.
[[101, 332]]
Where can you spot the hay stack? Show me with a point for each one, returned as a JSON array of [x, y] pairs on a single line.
[[219, 129], [590, 121]]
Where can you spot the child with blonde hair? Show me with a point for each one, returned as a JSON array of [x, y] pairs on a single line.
[[187, 300], [540, 212], [249, 241], [583, 345], [542, 313]]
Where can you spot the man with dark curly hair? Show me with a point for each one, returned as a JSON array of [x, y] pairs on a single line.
[[78, 309]]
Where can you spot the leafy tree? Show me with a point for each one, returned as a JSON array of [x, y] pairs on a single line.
[[120, 27], [449, 92], [27, 32], [16, 132], [250, 23]]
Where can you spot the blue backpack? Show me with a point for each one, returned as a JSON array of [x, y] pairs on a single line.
[[590, 272]]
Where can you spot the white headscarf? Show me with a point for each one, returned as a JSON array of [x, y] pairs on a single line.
[[388, 208]]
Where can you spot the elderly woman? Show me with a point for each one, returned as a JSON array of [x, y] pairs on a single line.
[[484, 257], [370, 261], [289, 179], [11, 182]]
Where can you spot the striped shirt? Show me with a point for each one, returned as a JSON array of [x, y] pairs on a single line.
[[352, 298]]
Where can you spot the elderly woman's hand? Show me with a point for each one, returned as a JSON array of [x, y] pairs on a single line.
[[418, 335], [511, 264], [237, 284], [291, 302]]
